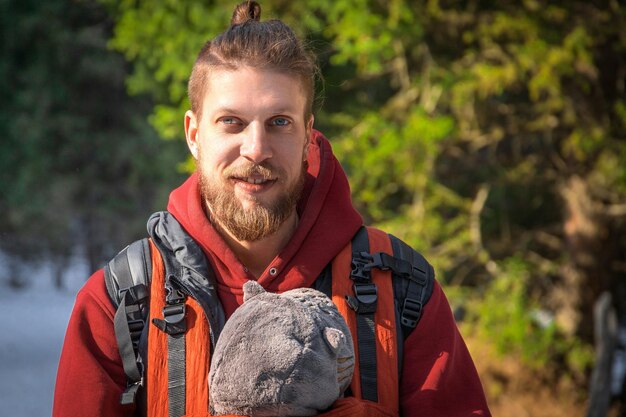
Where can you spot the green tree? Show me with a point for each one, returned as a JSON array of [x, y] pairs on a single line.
[[80, 166], [489, 135]]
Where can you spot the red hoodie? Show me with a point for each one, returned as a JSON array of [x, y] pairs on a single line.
[[438, 376]]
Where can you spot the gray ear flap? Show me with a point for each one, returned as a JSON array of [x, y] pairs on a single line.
[[334, 338], [251, 289]]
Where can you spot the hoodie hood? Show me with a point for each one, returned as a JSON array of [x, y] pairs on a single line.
[[327, 223]]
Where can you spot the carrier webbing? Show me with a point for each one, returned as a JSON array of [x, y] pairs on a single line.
[[367, 303], [128, 332], [125, 282], [159, 385], [156, 391], [364, 303], [366, 300], [416, 283], [182, 386]]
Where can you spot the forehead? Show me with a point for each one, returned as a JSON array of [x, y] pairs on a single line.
[[251, 89]]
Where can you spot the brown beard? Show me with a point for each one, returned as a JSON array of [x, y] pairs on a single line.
[[259, 221]]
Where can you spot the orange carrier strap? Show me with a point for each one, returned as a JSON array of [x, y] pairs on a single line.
[[366, 301], [196, 369], [196, 395]]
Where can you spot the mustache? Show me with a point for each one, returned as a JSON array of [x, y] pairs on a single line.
[[264, 170]]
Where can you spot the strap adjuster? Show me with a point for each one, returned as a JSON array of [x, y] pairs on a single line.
[[365, 298], [411, 312], [130, 393], [173, 322], [174, 314], [418, 275], [135, 328], [134, 296]]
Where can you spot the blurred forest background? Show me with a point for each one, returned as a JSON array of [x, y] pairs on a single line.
[[489, 135]]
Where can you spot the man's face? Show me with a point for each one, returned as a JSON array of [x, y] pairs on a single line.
[[250, 144]]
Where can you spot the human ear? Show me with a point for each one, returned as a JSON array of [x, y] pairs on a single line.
[[309, 127], [309, 136], [191, 132]]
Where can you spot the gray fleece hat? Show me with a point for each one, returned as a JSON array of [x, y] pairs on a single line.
[[288, 354]]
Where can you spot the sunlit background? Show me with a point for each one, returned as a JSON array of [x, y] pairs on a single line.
[[491, 136]]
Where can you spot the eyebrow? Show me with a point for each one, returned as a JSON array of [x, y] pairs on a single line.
[[278, 111], [225, 110], [282, 110]]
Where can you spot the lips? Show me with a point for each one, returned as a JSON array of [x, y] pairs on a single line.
[[254, 180], [253, 184]]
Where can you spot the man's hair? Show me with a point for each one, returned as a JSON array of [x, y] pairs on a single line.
[[269, 45]]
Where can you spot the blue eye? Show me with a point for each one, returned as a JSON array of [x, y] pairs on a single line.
[[229, 120], [280, 121]]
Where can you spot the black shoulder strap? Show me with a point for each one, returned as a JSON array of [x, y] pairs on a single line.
[[413, 280], [127, 278], [364, 303], [411, 290]]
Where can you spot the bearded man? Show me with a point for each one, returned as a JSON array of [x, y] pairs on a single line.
[[270, 203]]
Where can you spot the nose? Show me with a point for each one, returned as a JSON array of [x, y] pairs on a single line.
[[256, 145]]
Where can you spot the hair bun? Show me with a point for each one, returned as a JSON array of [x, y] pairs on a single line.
[[248, 10]]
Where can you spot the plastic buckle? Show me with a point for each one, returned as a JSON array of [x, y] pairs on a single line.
[[174, 295], [418, 275], [379, 262], [129, 395], [136, 329], [361, 267], [135, 326], [411, 312], [174, 317], [174, 314], [366, 296], [136, 293]]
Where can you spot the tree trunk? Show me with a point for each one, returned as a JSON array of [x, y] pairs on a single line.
[[586, 271]]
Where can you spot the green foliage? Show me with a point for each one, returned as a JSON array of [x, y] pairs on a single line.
[[79, 166], [508, 315], [461, 126], [511, 325], [162, 39], [399, 155]]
